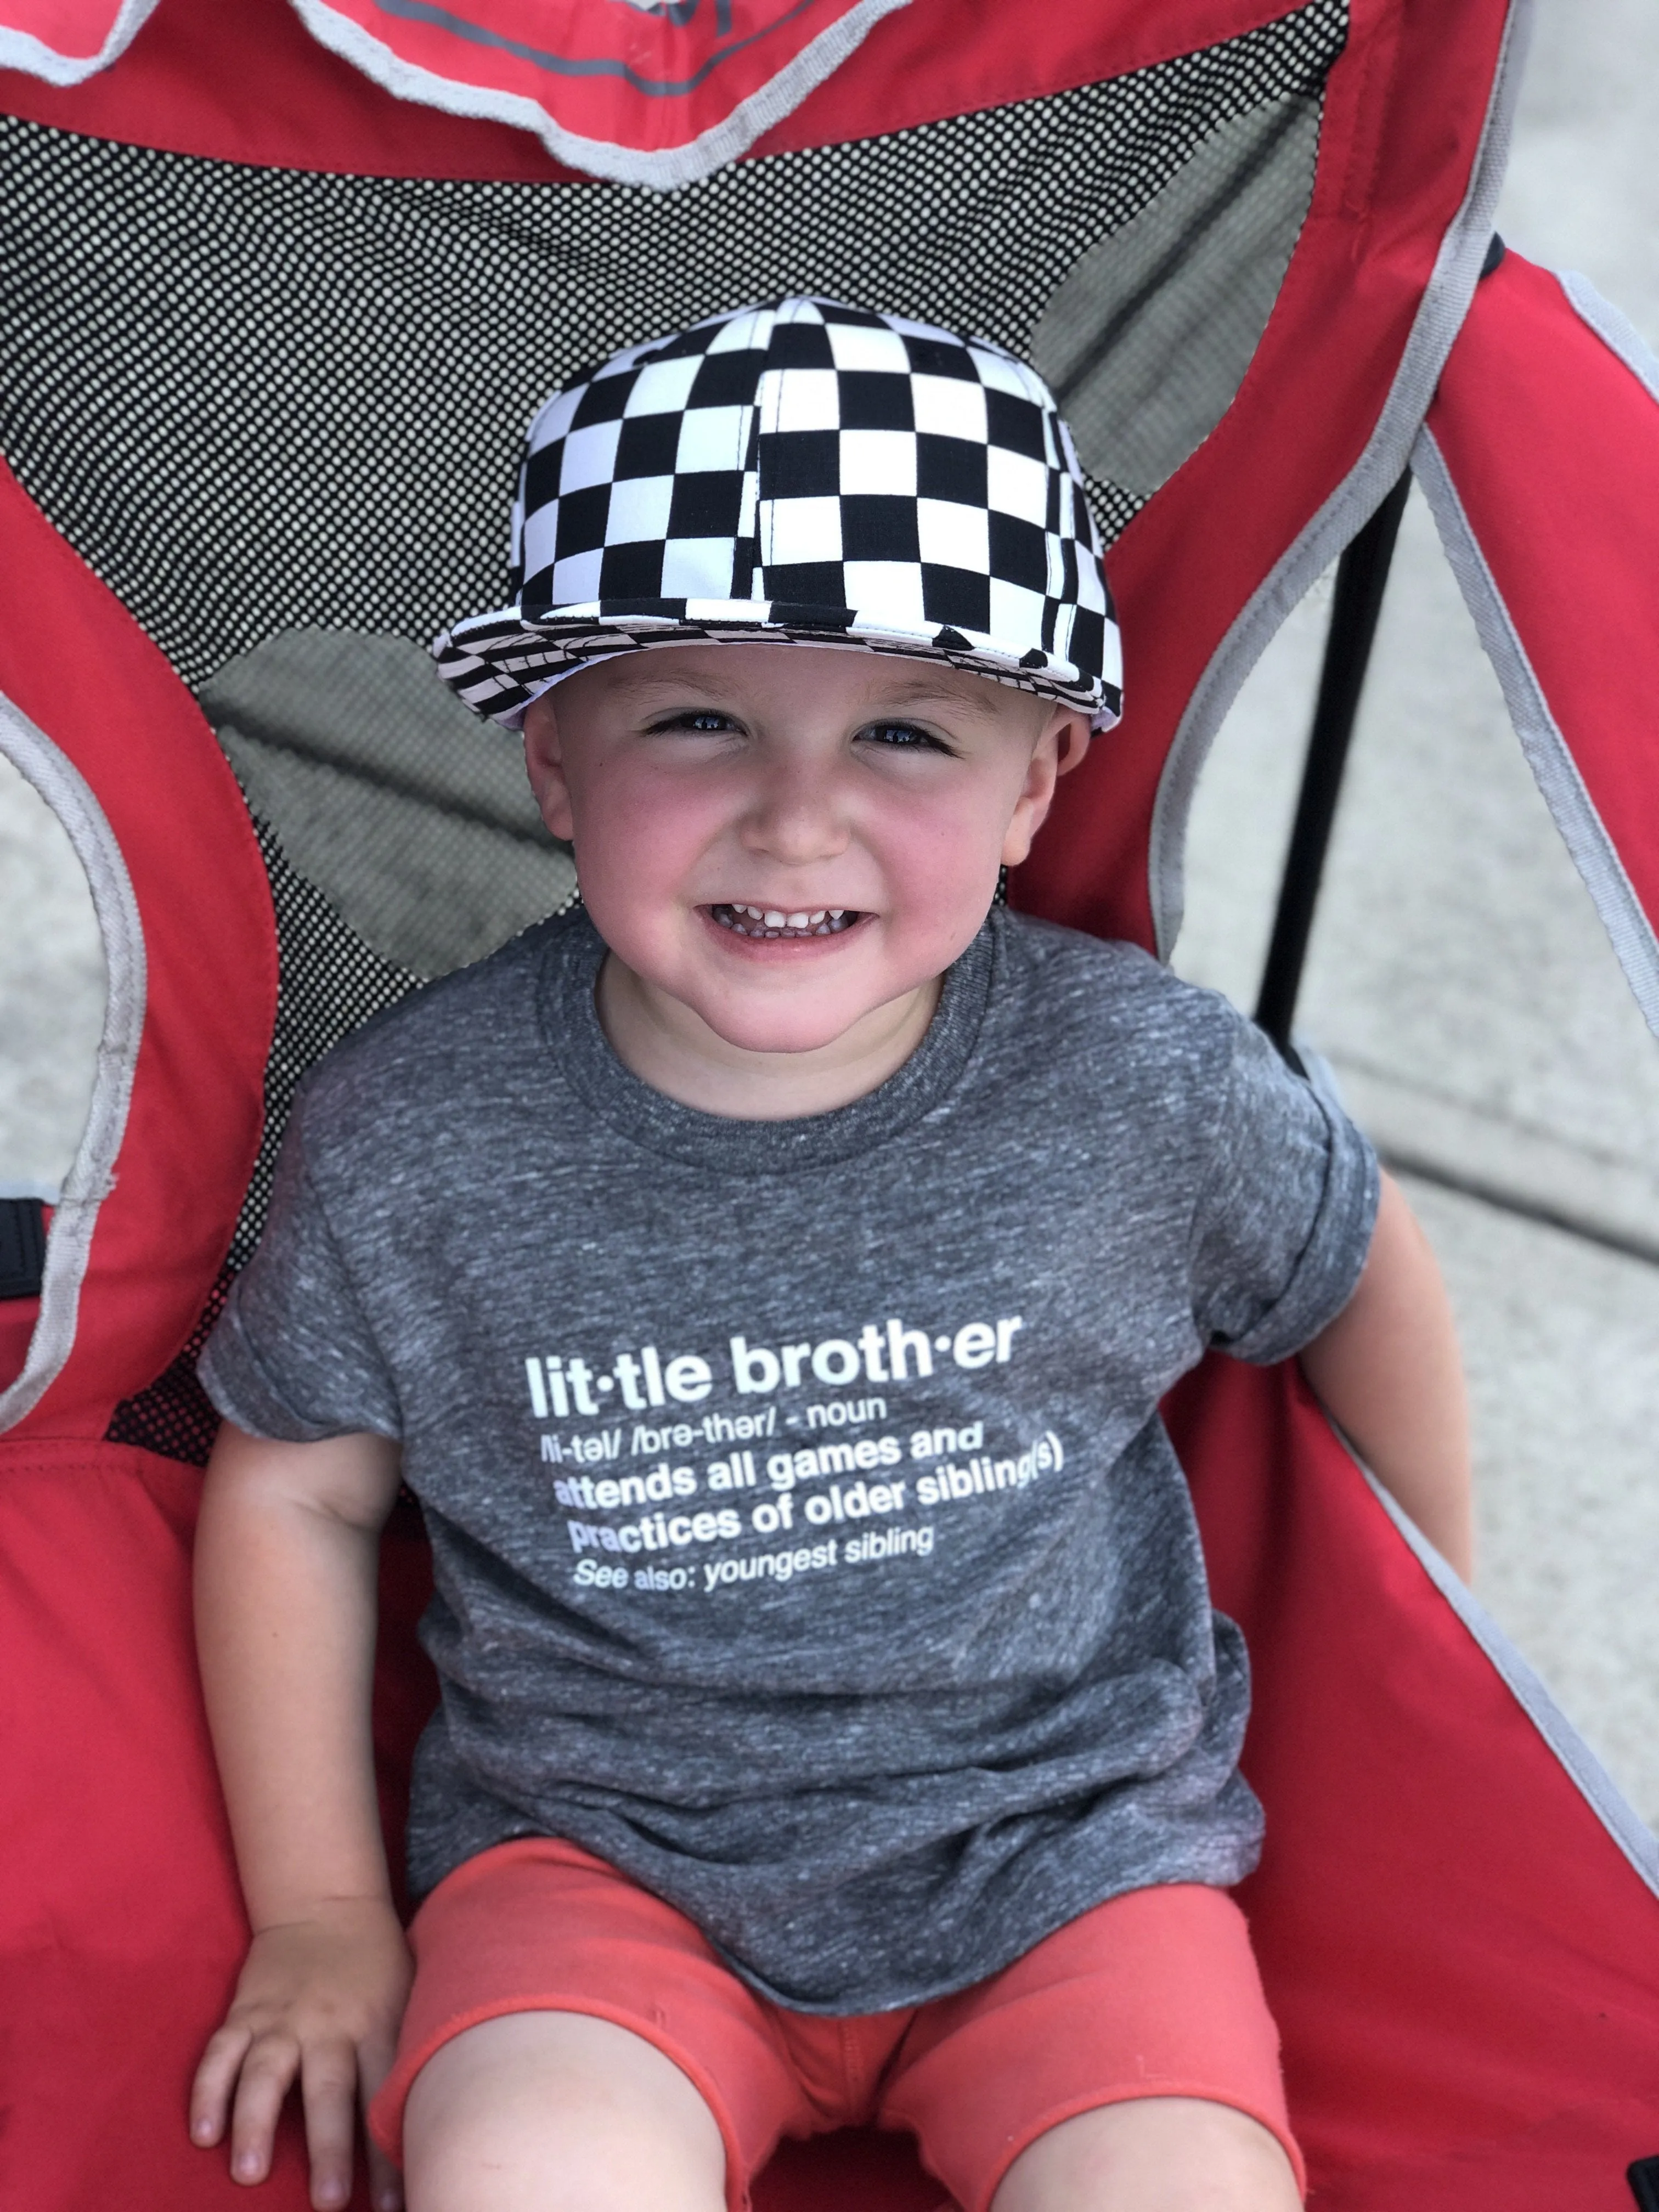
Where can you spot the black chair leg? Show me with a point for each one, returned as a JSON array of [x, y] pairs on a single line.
[[1361, 575]]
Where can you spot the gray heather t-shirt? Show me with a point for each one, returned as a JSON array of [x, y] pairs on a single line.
[[807, 1541]]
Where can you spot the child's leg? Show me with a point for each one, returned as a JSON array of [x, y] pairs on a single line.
[[548, 2111], [1152, 2155], [574, 2044], [1128, 2062]]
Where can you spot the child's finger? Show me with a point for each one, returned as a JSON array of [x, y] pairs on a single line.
[[328, 2089], [386, 2184], [215, 2077], [268, 2072]]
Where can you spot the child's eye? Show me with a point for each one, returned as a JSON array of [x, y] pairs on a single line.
[[904, 735], [702, 722]]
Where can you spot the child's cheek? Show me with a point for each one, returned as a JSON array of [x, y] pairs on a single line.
[[642, 832], [943, 857]]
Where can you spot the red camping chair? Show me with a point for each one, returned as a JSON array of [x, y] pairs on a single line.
[[271, 332]]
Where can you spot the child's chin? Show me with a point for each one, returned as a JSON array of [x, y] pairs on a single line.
[[766, 1030]]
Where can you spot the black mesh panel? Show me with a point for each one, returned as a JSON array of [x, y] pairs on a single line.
[[174, 1417], [414, 820], [329, 982], [1148, 339]]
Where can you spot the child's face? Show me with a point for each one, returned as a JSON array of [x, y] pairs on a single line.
[[866, 799]]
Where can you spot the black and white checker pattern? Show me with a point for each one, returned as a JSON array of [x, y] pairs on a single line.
[[802, 470]]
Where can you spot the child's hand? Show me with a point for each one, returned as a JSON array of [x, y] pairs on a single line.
[[319, 2001]]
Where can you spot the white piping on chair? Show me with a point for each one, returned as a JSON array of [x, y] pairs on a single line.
[[20, 50], [660, 168], [90, 1182], [1614, 327], [1553, 767], [1589, 1775]]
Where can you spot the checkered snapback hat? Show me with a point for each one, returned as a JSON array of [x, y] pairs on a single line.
[[805, 470]]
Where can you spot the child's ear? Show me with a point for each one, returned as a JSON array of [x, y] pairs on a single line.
[[1061, 744], [543, 761], [1074, 737]]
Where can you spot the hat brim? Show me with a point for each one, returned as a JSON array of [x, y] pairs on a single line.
[[497, 663]]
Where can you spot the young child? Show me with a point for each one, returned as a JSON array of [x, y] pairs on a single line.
[[766, 1276]]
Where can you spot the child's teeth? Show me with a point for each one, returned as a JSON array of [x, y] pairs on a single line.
[[772, 920]]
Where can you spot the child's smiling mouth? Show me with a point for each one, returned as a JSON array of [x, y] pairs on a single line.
[[774, 921]]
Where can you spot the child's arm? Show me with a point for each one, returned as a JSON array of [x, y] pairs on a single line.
[[1388, 1371], [286, 1563]]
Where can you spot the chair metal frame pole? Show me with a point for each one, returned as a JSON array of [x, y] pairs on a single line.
[[1361, 575]]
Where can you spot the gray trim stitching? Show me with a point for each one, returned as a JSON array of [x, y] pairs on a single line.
[[1585, 1770], [1614, 329], [68, 795], [20, 50], [660, 169], [1553, 768], [1439, 318]]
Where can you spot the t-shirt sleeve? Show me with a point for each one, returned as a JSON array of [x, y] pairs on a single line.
[[1283, 1222], [292, 1357]]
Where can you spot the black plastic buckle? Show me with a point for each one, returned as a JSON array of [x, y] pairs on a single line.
[[1643, 2179], [22, 1247]]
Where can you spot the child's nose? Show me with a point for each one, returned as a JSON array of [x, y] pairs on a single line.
[[796, 814]]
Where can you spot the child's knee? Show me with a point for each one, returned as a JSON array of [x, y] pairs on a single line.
[[1152, 2155], [558, 2112]]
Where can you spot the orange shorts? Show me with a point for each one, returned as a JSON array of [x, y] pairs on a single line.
[[1154, 1994]]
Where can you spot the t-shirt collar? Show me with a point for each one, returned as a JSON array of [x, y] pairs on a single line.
[[570, 958]]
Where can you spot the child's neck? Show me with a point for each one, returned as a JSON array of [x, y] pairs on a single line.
[[667, 1045]]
